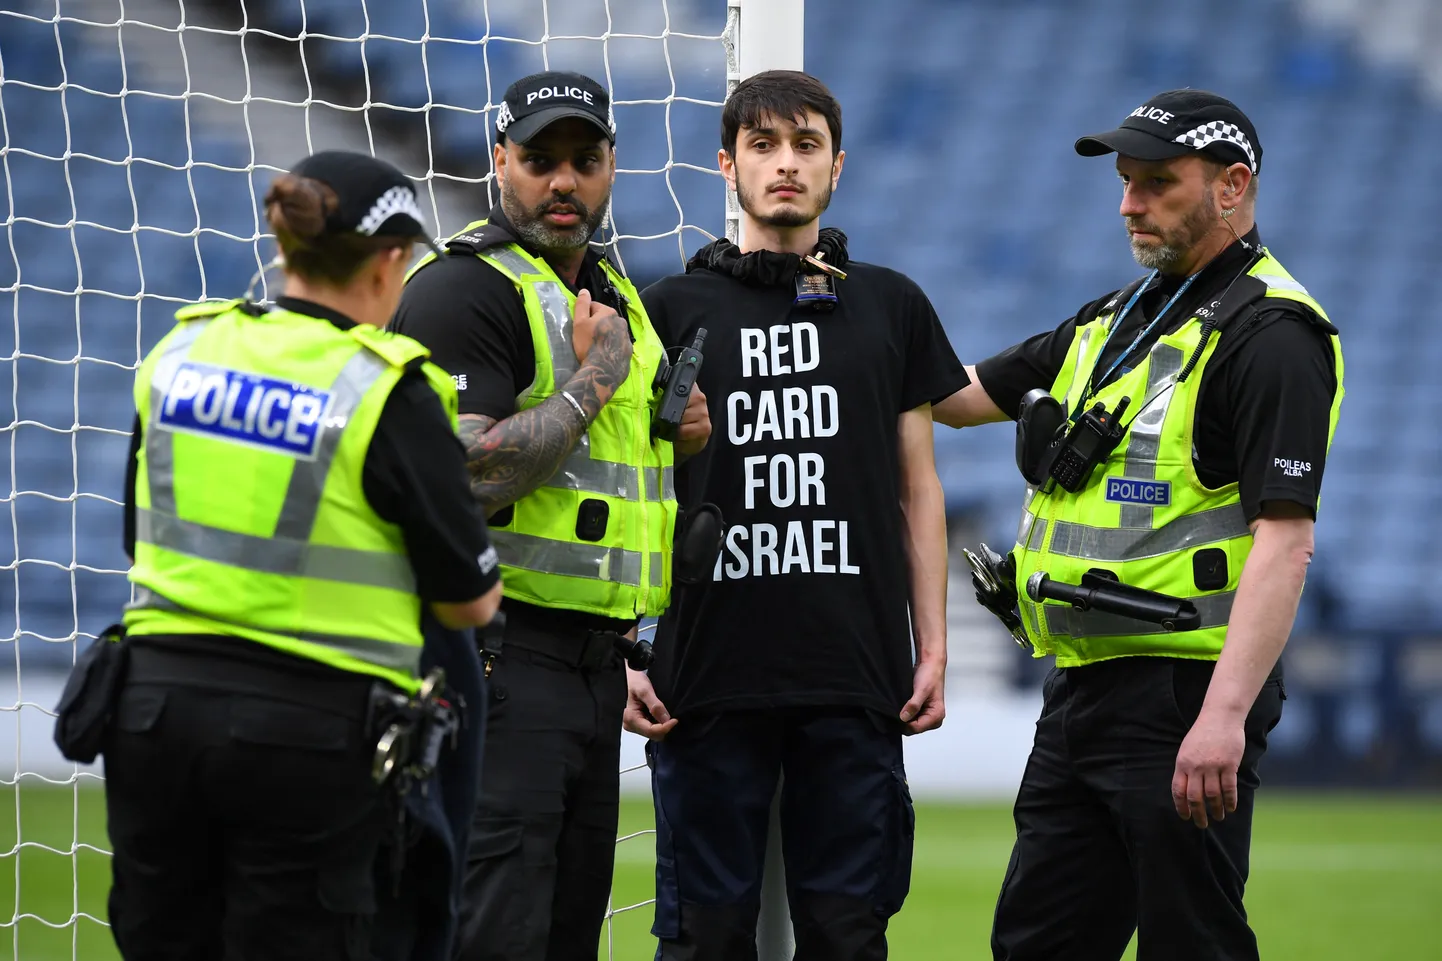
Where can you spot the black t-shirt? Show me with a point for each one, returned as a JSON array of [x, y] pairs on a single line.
[[414, 476], [809, 602], [473, 320], [1265, 396]]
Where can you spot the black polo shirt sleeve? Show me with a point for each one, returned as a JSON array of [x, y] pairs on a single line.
[[932, 372], [414, 476], [473, 320], [1274, 390], [1009, 376], [131, 465]]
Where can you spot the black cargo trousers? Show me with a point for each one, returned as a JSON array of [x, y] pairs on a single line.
[[241, 809], [1100, 851], [543, 842]]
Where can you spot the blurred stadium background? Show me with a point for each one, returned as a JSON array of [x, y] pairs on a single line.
[[137, 138]]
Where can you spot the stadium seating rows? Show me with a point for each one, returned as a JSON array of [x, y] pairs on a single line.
[[960, 173]]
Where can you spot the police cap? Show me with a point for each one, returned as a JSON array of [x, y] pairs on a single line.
[[1179, 122]]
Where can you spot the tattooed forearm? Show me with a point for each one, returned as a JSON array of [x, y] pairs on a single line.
[[510, 458]]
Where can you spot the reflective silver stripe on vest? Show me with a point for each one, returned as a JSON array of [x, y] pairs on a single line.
[[1215, 609], [555, 312], [1031, 535], [1077, 383], [160, 444], [545, 556], [1282, 283], [1146, 429], [307, 479], [579, 472], [1120, 544], [405, 658], [660, 484], [658, 575], [274, 555]]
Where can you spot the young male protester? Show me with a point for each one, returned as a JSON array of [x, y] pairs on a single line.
[[795, 655]]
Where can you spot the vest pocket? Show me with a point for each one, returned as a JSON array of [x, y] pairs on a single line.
[[591, 519], [1209, 569]]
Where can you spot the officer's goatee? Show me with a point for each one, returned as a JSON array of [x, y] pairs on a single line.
[[533, 229], [1175, 244]]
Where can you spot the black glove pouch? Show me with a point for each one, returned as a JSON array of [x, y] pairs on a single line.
[[87, 704], [1039, 426], [698, 540]]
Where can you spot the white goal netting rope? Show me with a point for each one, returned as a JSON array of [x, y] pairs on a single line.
[[136, 138]]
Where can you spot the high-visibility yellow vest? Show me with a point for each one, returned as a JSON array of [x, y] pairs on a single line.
[[543, 558], [1144, 513], [251, 518]]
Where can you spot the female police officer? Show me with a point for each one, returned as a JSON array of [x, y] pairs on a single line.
[[295, 492]]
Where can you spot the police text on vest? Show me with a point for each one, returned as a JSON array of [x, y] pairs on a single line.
[[244, 408], [1132, 490]]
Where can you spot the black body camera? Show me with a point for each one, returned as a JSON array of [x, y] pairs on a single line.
[[675, 382], [1047, 450]]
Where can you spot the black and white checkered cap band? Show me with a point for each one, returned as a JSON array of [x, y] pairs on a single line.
[[1211, 132]]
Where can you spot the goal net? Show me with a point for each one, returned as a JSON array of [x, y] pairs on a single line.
[[137, 137]]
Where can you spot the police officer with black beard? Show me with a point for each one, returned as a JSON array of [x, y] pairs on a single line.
[[1174, 438], [554, 359]]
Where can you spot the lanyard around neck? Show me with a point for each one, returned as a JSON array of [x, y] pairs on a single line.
[[1092, 382]]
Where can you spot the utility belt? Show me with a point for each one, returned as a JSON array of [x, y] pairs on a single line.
[[586, 652], [410, 729], [315, 687]]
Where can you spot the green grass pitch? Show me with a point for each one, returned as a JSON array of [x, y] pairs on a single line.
[[1333, 878]]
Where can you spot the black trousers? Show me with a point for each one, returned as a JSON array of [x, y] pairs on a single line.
[[543, 842], [847, 827], [245, 828], [1100, 851]]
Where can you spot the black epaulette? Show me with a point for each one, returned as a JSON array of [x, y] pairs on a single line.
[[479, 241]]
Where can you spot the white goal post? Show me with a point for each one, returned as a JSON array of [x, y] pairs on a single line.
[[767, 35]]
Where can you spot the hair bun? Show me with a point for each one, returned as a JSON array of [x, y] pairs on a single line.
[[298, 206]]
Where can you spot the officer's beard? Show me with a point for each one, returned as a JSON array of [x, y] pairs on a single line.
[[532, 228], [790, 216], [1176, 244]]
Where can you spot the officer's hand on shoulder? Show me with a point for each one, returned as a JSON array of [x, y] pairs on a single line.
[[598, 327]]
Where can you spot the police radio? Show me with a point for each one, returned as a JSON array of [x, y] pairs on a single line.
[[1047, 450], [1090, 441], [675, 381]]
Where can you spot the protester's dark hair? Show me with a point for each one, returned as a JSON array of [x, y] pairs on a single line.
[[296, 209], [784, 94]]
